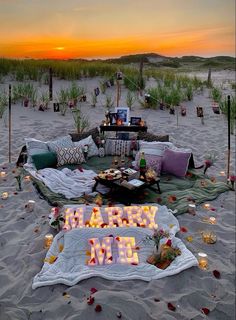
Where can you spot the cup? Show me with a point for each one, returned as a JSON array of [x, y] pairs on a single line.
[[202, 260]]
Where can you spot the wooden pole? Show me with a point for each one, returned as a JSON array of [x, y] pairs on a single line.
[[50, 85], [9, 126], [117, 93], [228, 158], [141, 77]]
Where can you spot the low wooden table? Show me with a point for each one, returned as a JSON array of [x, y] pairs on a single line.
[[131, 128], [125, 192]]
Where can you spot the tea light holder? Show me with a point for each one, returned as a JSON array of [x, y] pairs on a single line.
[[3, 174], [4, 195], [207, 206], [48, 238], [192, 208], [30, 206], [222, 173], [212, 220], [209, 237], [202, 260]]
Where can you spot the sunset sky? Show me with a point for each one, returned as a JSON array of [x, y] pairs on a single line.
[[108, 28]]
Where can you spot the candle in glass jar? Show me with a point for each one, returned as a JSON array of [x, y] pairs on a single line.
[[3, 174], [222, 173], [212, 220], [48, 238], [26, 178], [30, 206], [191, 208], [202, 260], [207, 206], [4, 195]]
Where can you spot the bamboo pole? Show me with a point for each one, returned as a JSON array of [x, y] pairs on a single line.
[[50, 85], [228, 158], [117, 93], [9, 126]]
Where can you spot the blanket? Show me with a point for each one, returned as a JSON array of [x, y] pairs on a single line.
[[70, 265], [176, 193]]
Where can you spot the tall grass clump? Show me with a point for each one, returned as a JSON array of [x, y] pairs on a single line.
[[224, 109], [81, 122], [109, 102], [63, 99], [3, 103], [216, 94], [130, 99], [94, 99]]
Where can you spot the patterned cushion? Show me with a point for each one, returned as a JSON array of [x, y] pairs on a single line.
[[175, 162], [146, 136], [79, 136], [69, 156], [92, 148], [63, 142], [153, 161], [35, 147], [116, 147]]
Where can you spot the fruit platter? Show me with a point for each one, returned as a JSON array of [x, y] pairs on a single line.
[[110, 174]]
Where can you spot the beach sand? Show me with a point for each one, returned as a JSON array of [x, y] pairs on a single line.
[[22, 233]]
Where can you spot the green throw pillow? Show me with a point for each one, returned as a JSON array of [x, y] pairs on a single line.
[[45, 160]]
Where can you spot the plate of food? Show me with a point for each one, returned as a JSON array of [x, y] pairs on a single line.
[[110, 174]]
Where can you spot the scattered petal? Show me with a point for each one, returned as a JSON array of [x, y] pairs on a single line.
[[90, 300], [93, 290], [171, 306], [171, 225], [206, 311], [52, 259], [216, 274], [189, 239], [98, 308], [183, 229]]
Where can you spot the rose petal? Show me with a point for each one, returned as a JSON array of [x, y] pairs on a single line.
[[90, 300], [206, 311], [183, 229], [216, 274], [171, 306], [98, 308], [93, 290]]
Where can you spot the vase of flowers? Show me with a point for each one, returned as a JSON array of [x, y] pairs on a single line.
[[210, 158]]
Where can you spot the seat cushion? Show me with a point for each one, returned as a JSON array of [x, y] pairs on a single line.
[[45, 160]]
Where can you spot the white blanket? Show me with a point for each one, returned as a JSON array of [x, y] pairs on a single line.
[[70, 183], [70, 266]]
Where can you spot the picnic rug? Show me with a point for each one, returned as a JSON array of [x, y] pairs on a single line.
[[67, 258], [176, 193]]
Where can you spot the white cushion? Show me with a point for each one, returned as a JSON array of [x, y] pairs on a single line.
[[154, 147], [35, 146], [63, 142], [115, 147], [92, 148]]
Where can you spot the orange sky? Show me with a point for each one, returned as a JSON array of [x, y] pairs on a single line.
[[105, 28]]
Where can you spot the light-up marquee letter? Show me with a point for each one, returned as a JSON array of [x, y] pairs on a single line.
[[150, 212], [99, 251], [74, 218], [134, 214], [114, 216], [125, 250], [96, 219]]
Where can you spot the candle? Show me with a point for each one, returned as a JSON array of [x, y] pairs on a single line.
[[48, 238], [30, 206], [208, 237], [212, 220], [222, 173], [3, 174], [202, 260], [191, 208], [207, 206], [4, 195]]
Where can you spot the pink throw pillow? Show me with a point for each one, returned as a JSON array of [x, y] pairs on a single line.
[[175, 162]]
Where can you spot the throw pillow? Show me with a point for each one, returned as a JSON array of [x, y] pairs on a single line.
[[175, 162], [63, 142], [153, 161], [35, 146], [69, 156], [45, 160], [79, 136], [146, 136], [155, 148], [92, 148], [114, 147]]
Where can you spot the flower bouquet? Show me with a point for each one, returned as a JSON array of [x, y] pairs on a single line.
[[210, 158], [56, 219]]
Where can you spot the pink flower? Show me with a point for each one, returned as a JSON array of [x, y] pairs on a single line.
[[168, 242], [55, 212], [208, 163], [232, 178]]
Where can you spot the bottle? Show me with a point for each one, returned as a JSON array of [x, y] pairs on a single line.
[[142, 166]]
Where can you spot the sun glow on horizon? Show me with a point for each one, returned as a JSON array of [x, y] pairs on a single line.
[[111, 29]]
